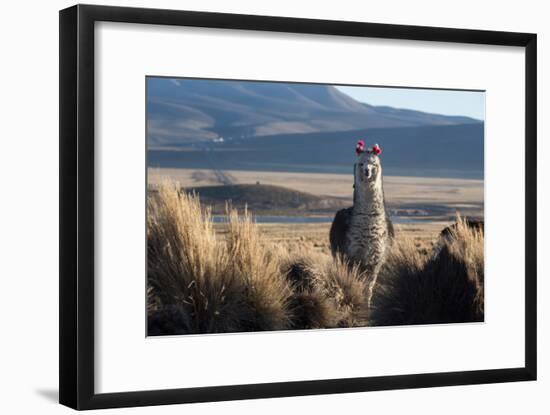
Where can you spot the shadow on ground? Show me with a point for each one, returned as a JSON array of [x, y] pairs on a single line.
[[51, 395]]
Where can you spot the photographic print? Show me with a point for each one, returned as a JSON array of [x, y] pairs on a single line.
[[262, 206], [289, 206]]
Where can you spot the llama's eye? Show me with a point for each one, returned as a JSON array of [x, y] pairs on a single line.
[[360, 164]]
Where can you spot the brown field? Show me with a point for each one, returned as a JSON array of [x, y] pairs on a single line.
[[398, 189], [314, 236], [406, 196], [434, 200]]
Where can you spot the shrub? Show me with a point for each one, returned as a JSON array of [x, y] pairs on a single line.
[[447, 288], [326, 293], [205, 285], [257, 266], [309, 305], [348, 287]]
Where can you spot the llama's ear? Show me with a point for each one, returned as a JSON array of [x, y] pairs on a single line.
[[360, 147], [376, 149]]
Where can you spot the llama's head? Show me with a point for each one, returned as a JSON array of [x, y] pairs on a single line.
[[368, 169]]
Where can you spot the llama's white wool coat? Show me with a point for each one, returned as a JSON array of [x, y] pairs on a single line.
[[363, 232]]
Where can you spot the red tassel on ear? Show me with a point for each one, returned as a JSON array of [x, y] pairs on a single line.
[[360, 147], [376, 149]]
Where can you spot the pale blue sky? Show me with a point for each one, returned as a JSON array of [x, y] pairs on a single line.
[[447, 102]]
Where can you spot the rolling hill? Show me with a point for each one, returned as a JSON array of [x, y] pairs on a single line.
[[260, 198], [184, 112]]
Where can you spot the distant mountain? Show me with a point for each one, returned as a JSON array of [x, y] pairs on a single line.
[[181, 112], [434, 151]]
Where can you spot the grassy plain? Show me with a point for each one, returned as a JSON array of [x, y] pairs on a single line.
[[314, 236], [399, 190], [433, 200]]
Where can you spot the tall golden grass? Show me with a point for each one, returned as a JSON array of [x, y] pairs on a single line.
[[447, 287], [326, 293], [199, 282], [209, 285]]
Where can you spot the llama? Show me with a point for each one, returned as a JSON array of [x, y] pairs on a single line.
[[363, 233]]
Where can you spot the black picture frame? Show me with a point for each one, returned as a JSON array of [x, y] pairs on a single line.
[[76, 280]]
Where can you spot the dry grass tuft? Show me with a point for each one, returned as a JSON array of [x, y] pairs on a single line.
[[204, 284], [327, 293], [348, 287], [309, 305], [447, 288], [258, 267]]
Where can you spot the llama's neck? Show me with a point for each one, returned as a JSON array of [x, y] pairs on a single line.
[[369, 200], [368, 229]]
